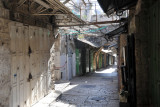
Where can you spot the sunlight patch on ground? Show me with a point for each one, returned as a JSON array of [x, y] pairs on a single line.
[[110, 70], [70, 87]]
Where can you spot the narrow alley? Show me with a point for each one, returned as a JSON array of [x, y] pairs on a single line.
[[98, 89], [79, 53]]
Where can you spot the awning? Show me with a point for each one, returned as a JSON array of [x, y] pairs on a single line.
[[121, 29], [110, 6]]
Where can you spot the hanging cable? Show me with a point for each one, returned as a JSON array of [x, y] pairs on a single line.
[[57, 68]]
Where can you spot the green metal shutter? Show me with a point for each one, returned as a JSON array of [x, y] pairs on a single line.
[[77, 62]]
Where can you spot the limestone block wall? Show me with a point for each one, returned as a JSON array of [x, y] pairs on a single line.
[[63, 69], [122, 44], [56, 60], [67, 57], [138, 25], [63, 59]]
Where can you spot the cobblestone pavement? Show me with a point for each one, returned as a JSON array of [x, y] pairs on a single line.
[[99, 89]]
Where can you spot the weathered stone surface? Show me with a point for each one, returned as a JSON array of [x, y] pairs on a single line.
[[91, 91], [139, 26], [122, 45]]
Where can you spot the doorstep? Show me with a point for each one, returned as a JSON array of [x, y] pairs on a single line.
[[53, 96]]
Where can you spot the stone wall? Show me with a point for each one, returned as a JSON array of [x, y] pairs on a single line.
[[122, 44], [68, 57], [57, 58], [138, 25]]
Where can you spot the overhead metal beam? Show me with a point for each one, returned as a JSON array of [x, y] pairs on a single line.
[[49, 14], [89, 2], [61, 5], [74, 5], [42, 3], [21, 2], [66, 1], [56, 3], [42, 10], [84, 2], [94, 23], [39, 9]]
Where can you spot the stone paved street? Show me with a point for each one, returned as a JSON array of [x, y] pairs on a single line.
[[99, 89]]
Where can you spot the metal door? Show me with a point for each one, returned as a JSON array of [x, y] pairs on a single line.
[[73, 65], [87, 60], [18, 66], [131, 70], [77, 62], [91, 61], [154, 36], [38, 61], [69, 66], [29, 65]]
